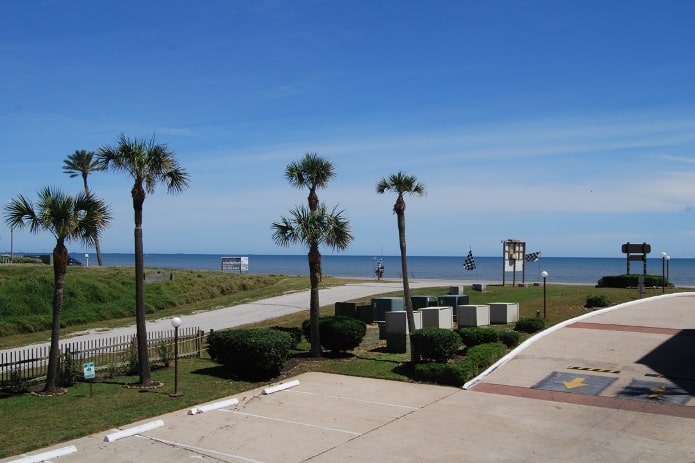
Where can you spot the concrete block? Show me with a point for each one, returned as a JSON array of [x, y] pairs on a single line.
[[437, 317], [397, 322], [473, 315], [504, 312]]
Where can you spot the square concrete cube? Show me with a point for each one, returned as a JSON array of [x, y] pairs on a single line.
[[504, 312], [473, 315], [397, 322], [437, 317]]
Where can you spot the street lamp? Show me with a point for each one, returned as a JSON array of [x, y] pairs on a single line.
[[668, 258], [544, 274], [176, 322], [663, 272]]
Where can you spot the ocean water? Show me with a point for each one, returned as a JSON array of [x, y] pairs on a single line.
[[575, 270]]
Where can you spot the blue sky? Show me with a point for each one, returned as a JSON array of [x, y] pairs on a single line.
[[569, 125]]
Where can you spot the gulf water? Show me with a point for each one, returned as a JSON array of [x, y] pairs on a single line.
[[575, 270]]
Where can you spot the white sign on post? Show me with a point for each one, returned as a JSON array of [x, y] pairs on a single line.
[[89, 372]]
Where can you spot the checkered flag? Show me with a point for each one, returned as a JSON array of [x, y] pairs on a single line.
[[533, 257], [469, 264]]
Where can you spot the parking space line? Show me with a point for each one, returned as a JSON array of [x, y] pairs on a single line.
[[292, 422], [372, 402], [200, 449]]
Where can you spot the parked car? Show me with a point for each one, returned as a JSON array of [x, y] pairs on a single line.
[[73, 261]]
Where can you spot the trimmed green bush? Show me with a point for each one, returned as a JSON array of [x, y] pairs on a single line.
[[293, 331], [597, 300], [529, 325], [448, 374], [474, 335], [435, 344], [484, 355], [509, 338], [630, 281], [338, 334], [254, 353], [341, 334]]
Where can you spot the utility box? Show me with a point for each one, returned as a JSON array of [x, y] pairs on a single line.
[[504, 312], [396, 330], [346, 309], [455, 290], [437, 317], [365, 313], [423, 301], [473, 315], [452, 300], [381, 305]]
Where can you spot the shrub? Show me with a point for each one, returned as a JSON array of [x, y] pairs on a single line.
[[340, 334], [597, 300], [435, 344], [630, 281], [529, 324], [474, 335], [509, 338], [253, 353], [293, 331], [484, 355], [449, 374]]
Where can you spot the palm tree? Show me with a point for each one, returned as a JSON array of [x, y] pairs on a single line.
[[313, 172], [402, 183], [82, 163], [148, 163], [67, 218], [313, 228]]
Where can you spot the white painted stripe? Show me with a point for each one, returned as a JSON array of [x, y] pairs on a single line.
[[294, 422], [134, 430], [521, 347], [281, 387], [47, 455], [202, 450], [213, 406], [371, 402]]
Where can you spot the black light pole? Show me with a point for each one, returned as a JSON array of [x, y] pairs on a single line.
[[663, 272], [544, 274], [668, 258], [176, 322]]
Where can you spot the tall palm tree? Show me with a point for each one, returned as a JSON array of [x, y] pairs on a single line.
[[312, 172], [401, 184], [82, 163], [67, 218], [314, 228], [148, 164]]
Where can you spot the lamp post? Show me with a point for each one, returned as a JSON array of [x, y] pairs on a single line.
[[663, 272], [86, 256], [176, 322], [544, 274], [668, 258]]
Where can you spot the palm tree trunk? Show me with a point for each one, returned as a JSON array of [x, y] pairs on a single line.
[[406, 284], [100, 259], [314, 304], [60, 259], [140, 320]]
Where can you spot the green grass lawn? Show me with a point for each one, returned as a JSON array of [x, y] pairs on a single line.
[[29, 422]]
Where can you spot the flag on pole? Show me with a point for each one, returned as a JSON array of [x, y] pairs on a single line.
[[469, 264], [533, 257]]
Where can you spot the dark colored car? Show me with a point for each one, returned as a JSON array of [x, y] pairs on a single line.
[[73, 261]]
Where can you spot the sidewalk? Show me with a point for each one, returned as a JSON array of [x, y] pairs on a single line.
[[615, 385]]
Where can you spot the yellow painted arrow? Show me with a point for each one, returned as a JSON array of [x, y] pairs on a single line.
[[576, 382]]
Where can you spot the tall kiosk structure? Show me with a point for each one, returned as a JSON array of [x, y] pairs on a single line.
[[513, 253]]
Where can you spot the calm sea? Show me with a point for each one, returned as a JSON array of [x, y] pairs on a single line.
[[579, 270]]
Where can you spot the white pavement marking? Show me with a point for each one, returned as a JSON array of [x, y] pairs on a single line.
[[358, 400], [294, 422], [200, 449]]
